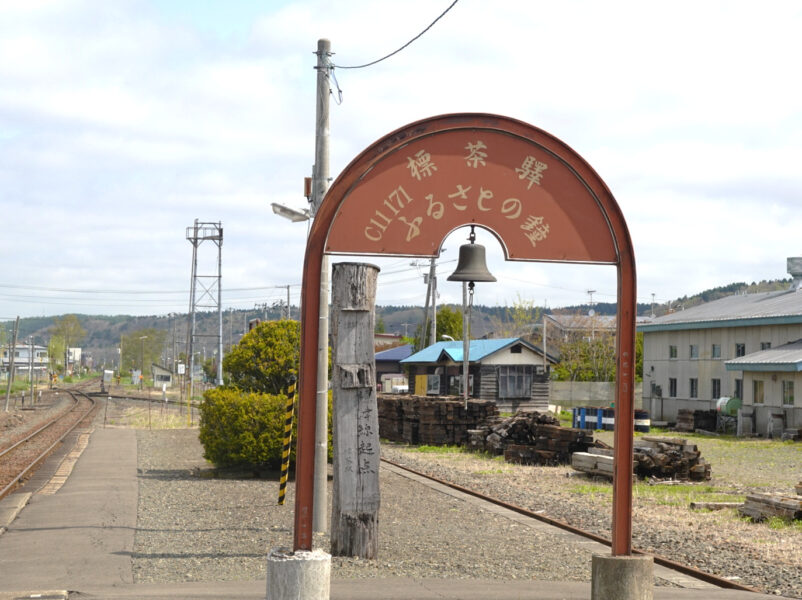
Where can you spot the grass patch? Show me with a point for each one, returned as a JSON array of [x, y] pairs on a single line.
[[592, 489], [138, 418], [663, 495], [779, 523], [681, 495]]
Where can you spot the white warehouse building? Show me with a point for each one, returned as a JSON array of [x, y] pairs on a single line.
[[747, 346]]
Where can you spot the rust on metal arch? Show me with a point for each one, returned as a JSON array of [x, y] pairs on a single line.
[[405, 193]]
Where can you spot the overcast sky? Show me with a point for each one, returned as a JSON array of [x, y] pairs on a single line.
[[121, 122]]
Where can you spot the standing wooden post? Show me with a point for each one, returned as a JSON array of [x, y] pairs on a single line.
[[355, 499]]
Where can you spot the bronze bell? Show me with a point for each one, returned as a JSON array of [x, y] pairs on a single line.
[[471, 265]]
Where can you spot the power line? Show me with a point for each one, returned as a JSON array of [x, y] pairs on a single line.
[[402, 47], [128, 292]]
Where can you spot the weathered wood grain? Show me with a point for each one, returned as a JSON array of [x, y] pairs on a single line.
[[355, 417]]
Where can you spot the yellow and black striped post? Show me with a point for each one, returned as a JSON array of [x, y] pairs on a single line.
[[285, 453]]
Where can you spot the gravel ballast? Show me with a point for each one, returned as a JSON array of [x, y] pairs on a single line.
[[192, 527], [196, 526]]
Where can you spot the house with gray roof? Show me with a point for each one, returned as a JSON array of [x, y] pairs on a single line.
[[389, 372], [747, 346], [509, 371]]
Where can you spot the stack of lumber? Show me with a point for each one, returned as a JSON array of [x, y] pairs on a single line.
[[690, 420], [760, 507], [669, 458], [596, 461], [684, 420], [430, 420], [653, 457], [530, 438]]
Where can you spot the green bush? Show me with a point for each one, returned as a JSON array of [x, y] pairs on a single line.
[[246, 429], [241, 429]]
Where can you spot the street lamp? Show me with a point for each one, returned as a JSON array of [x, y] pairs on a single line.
[[321, 401], [296, 216], [142, 362]]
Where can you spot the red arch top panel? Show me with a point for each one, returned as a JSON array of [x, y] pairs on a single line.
[[408, 191]]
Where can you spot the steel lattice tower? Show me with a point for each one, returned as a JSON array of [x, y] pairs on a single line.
[[209, 297]]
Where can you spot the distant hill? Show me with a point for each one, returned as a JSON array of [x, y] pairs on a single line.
[[645, 309], [103, 333]]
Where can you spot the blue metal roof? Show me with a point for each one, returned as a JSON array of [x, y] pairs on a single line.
[[394, 354], [452, 351]]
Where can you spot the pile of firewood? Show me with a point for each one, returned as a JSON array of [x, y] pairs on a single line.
[[430, 420], [530, 438], [653, 457]]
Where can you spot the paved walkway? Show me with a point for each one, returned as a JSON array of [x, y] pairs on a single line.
[[77, 534]]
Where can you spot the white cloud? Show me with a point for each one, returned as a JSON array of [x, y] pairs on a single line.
[[120, 123]]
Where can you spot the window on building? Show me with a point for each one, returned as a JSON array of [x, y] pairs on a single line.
[[765, 345], [433, 385], [516, 349], [515, 381], [693, 351], [757, 391], [788, 393], [715, 388], [455, 385], [672, 387], [740, 350], [715, 351], [672, 352], [694, 387], [739, 388]]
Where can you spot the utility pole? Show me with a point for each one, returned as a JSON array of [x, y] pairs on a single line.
[[30, 372], [320, 185], [11, 362], [433, 281], [142, 363], [428, 281], [545, 359]]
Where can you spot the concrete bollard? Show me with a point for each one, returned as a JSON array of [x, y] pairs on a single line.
[[622, 577], [301, 575]]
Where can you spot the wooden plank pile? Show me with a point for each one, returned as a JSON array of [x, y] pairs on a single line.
[[653, 457], [433, 420], [669, 458], [530, 438], [690, 420], [760, 507], [596, 461]]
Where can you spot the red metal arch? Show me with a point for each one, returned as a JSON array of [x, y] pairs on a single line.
[[404, 193]]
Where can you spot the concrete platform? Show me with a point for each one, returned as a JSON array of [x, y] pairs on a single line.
[[75, 540], [373, 589]]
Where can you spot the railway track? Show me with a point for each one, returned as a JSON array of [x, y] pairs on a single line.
[[19, 460], [659, 560]]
